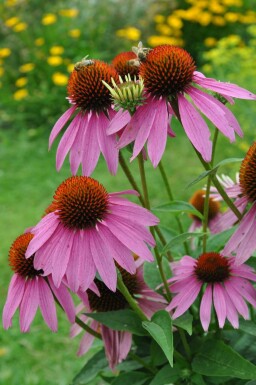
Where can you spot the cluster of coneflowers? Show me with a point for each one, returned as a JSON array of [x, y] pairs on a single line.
[[94, 243]]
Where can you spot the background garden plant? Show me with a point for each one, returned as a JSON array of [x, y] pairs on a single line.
[[24, 152]]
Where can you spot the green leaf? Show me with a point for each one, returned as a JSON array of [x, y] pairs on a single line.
[[214, 170], [160, 328], [197, 379], [253, 382], [248, 327], [166, 375], [178, 207], [152, 276], [218, 359], [125, 319], [180, 239], [91, 369], [184, 322], [134, 378], [217, 241], [128, 366]]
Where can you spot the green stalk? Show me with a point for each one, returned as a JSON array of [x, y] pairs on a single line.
[[87, 328], [143, 363]]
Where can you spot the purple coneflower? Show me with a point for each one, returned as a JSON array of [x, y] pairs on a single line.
[[117, 343], [227, 286], [87, 230], [29, 290], [123, 64], [169, 73], [85, 137], [243, 241]]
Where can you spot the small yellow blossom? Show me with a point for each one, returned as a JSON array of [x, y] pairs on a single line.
[[69, 12], [207, 68], [59, 79], [231, 3], [159, 19], [216, 7], [175, 22], [129, 33], [1, 71], [218, 20], [20, 27], [54, 60], [56, 50], [244, 146], [49, 18], [39, 41], [154, 41], [205, 18], [70, 67], [164, 29], [10, 3], [5, 52], [231, 17], [210, 41], [21, 82], [27, 67], [3, 352], [74, 33], [247, 19], [12, 21], [20, 94]]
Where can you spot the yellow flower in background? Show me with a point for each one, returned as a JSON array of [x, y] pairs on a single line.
[[218, 20], [216, 7], [39, 41], [74, 33], [1, 71], [27, 67], [10, 3], [20, 94], [247, 19], [159, 18], [175, 22], [235, 3], [207, 68], [54, 60], [70, 67], [69, 12], [56, 50], [21, 82], [164, 29], [130, 33], [5, 52], [210, 41], [12, 21], [231, 17], [59, 79], [49, 18], [205, 18], [155, 40], [20, 27]]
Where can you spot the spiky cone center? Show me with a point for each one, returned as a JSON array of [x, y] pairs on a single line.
[[109, 300], [80, 202], [247, 174], [198, 199], [85, 87], [167, 70], [123, 64], [19, 264], [212, 268]]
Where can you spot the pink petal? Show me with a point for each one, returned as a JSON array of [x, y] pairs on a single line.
[[107, 144], [195, 128], [86, 341], [60, 123], [74, 263], [64, 299], [104, 262], [205, 308], [75, 155], [29, 304], [90, 146], [47, 304], [14, 298], [118, 122], [232, 314], [185, 299], [236, 299], [130, 192], [87, 264], [128, 135], [219, 303], [134, 214], [61, 256]]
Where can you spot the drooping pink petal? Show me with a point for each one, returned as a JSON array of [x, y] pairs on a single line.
[[87, 265], [90, 146], [205, 308], [232, 314], [123, 192], [185, 298], [104, 262], [120, 253], [115, 348], [67, 141], [158, 133], [134, 213], [74, 263], [128, 135], [43, 230], [87, 340], [247, 246], [236, 299], [224, 88], [75, 155], [47, 304], [246, 289], [60, 124], [118, 122], [219, 303], [214, 110], [14, 298], [107, 143], [29, 304], [64, 299], [195, 128]]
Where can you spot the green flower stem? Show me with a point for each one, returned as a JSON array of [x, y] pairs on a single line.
[[170, 194], [143, 363], [147, 203], [87, 328], [133, 304], [185, 344]]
